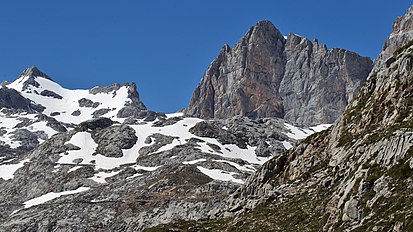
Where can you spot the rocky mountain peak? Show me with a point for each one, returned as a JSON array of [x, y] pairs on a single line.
[[133, 95], [266, 75], [28, 78], [404, 23], [263, 31], [34, 72], [243, 80]]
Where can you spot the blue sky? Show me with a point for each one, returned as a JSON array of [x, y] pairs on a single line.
[[165, 46]]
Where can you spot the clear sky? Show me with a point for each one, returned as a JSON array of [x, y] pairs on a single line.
[[165, 46]]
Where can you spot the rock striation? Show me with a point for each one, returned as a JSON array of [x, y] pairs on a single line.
[[268, 75]]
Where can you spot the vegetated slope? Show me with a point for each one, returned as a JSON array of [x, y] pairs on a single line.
[[356, 176]]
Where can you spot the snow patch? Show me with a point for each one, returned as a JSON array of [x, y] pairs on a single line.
[[297, 133], [287, 144], [194, 161], [50, 196], [320, 127], [247, 168], [300, 133], [174, 115], [73, 169], [101, 176], [217, 174], [7, 170], [135, 175]]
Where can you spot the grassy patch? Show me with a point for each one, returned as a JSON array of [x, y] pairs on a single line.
[[301, 212]]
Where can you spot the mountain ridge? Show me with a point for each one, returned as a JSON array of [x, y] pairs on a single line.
[[267, 75], [67, 162]]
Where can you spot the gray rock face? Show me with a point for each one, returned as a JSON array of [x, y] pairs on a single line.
[[160, 140], [53, 123], [104, 89], [167, 122], [28, 140], [34, 72], [214, 130], [401, 35], [88, 103], [11, 99], [319, 83], [112, 140], [100, 112], [133, 94], [49, 93], [132, 112], [266, 75], [93, 124], [134, 108], [244, 80], [76, 113]]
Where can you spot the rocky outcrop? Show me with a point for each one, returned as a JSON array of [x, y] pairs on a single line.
[[49, 93], [29, 140], [267, 75], [93, 124], [401, 35], [12, 99], [214, 130], [133, 108], [88, 103], [53, 123], [112, 140]]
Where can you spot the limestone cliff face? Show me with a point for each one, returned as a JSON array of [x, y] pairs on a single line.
[[318, 83], [244, 80], [267, 75]]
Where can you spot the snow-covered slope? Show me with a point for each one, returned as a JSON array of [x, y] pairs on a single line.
[[74, 106], [243, 161], [59, 144], [67, 105], [34, 108], [70, 107]]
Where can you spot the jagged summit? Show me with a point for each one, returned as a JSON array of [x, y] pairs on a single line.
[[243, 80], [33, 71], [264, 30], [268, 75]]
